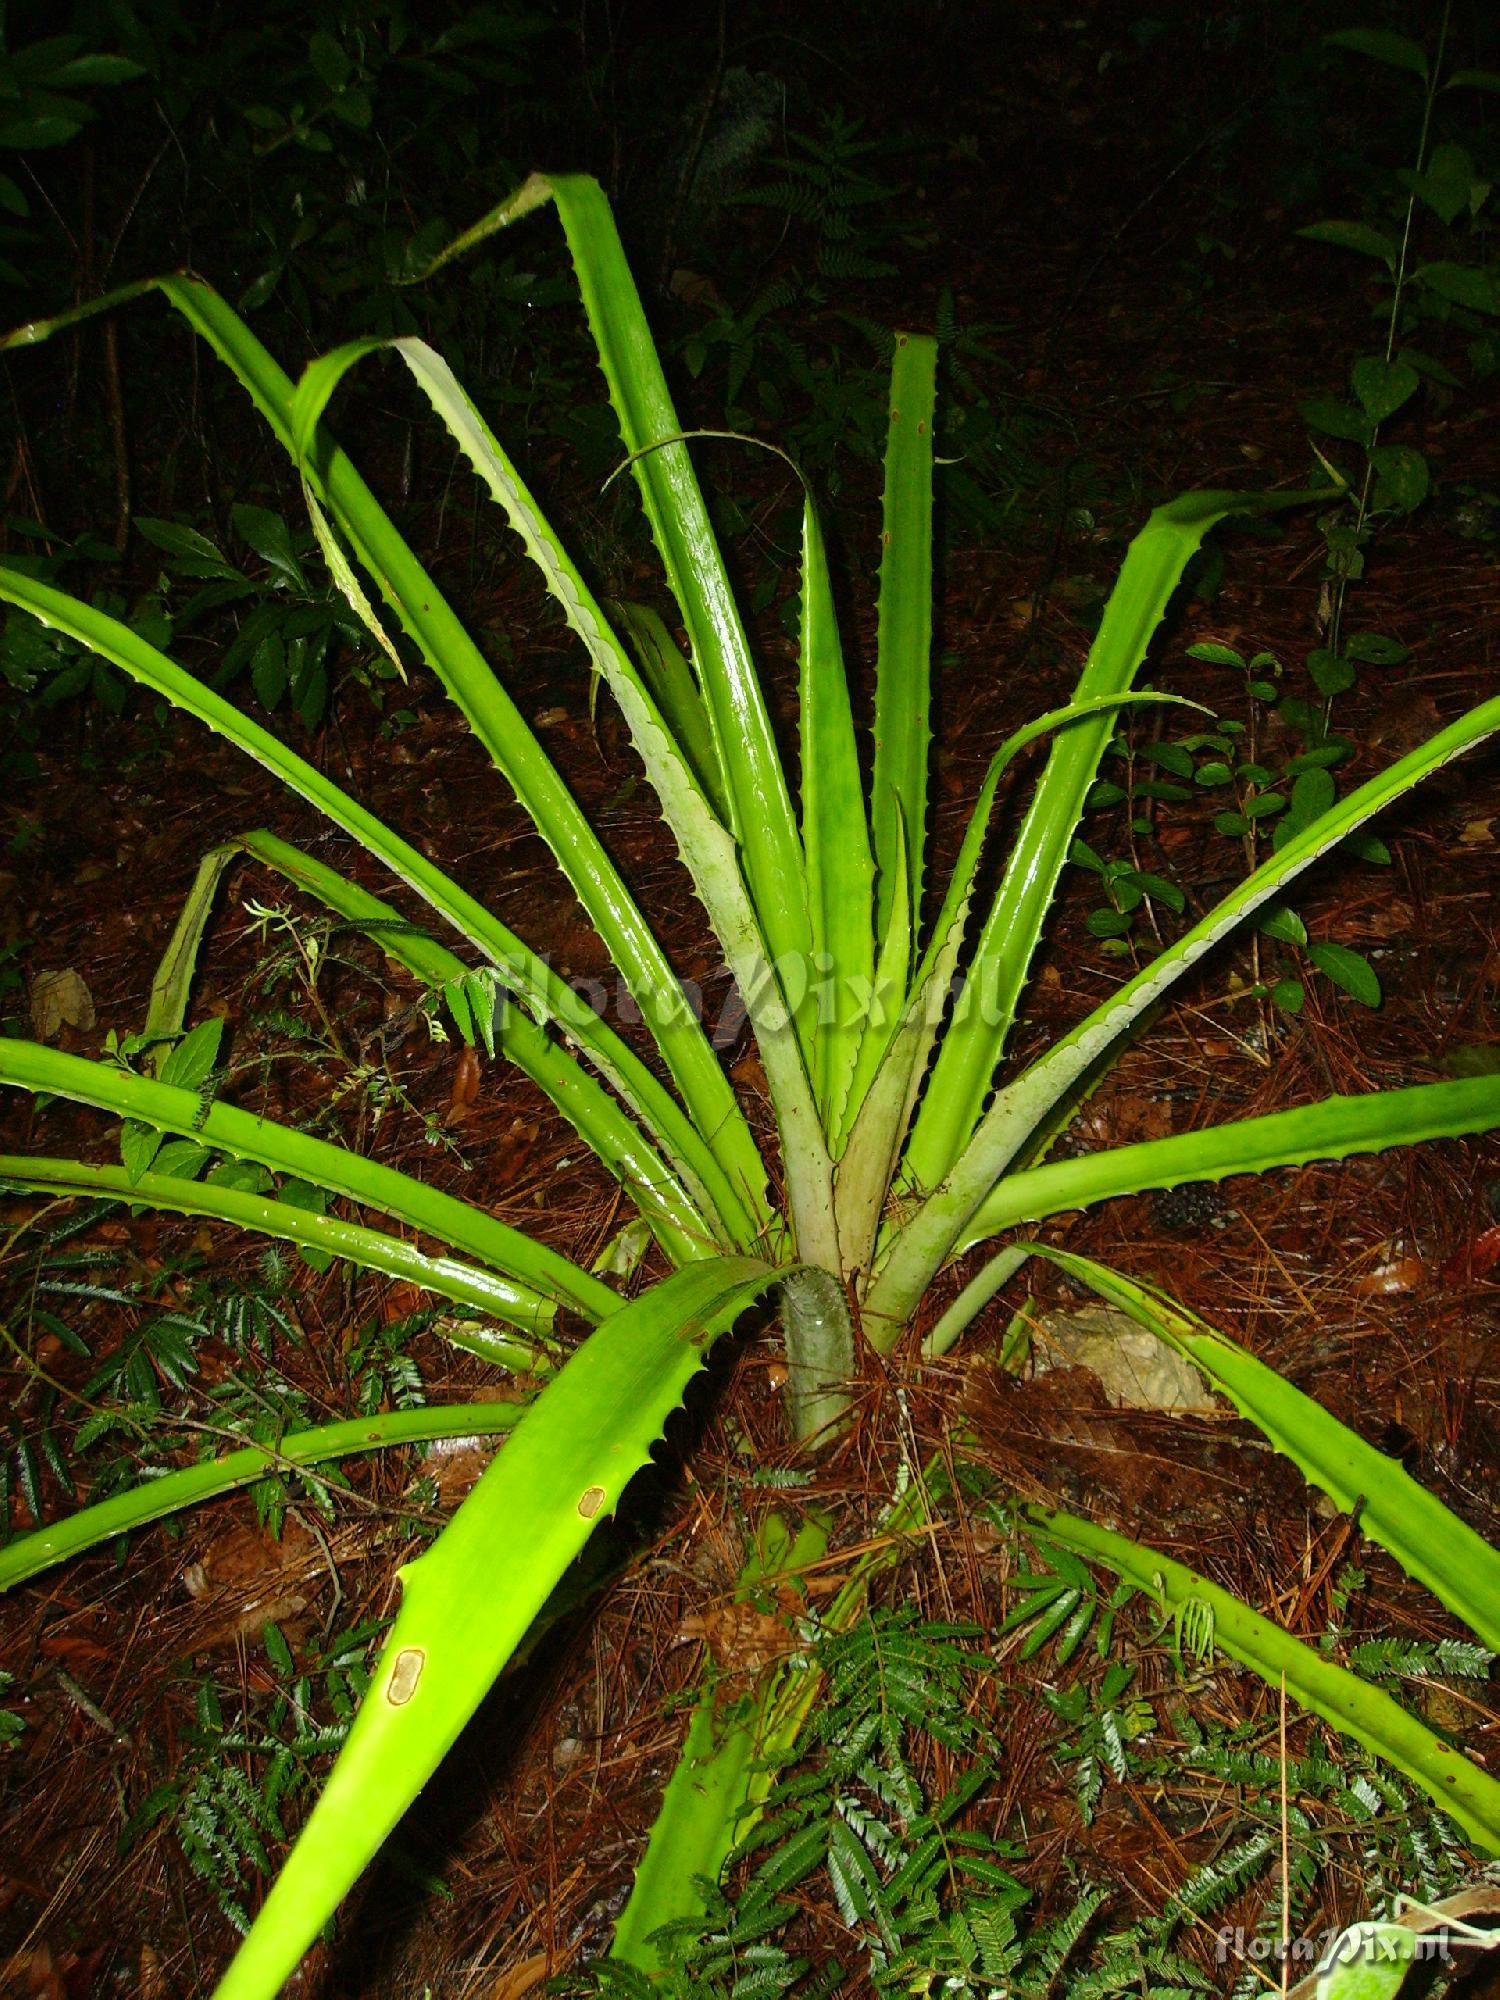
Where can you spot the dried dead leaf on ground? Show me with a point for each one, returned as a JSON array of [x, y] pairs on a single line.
[[60, 1000], [1138, 1370]]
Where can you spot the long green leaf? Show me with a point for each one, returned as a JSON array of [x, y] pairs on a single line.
[[903, 727], [730, 1762], [1428, 1539], [541, 1273], [192, 1484], [1331, 1129], [927, 1240], [1465, 1792], [890, 1075], [763, 821], [597, 1118], [675, 692], [370, 1249], [730, 1752], [530, 975], [706, 848], [840, 867], [561, 1472], [167, 1008], [971, 1050], [864, 1173]]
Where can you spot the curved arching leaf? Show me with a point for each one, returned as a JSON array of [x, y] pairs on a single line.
[[707, 851], [597, 1118], [171, 1492], [525, 971], [997, 972], [1428, 1539], [561, 1473], [1466, 1793], [370, 1249], [919, 1249], [543, 1275], [1331, 1129]]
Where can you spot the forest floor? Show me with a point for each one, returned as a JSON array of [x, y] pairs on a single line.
[[1371, 1284]]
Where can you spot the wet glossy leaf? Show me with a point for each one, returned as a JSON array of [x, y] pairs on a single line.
[[1161, 891], [1216, 654], [1449, 185], [268, 670], [1367, 847], [270, 537], [1169, 757], [139, 1145], [1084, 856], [192, 554], [190, 1061], [1375, 649], [1312, 795], [1347, 969]]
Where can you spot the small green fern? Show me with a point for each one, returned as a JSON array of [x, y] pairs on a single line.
[[928, 1905], [224, 1802]]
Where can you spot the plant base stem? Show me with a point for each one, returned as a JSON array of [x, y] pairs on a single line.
[[819, 1351]]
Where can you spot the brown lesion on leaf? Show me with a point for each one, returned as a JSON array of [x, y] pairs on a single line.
[[405, 1674]]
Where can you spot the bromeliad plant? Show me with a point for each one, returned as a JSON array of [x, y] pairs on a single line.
[[881, 1024]]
